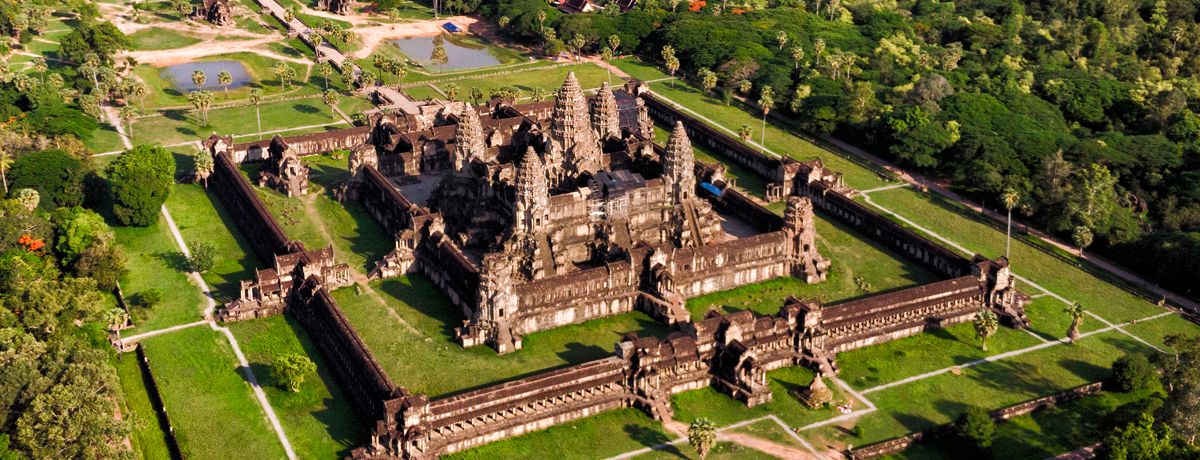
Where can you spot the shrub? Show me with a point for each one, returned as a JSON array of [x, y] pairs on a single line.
[[204, 256], [148, 298], [54, 174], [975, 428], [1133, 372]]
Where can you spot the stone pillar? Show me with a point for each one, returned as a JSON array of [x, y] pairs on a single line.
[[806, 262]]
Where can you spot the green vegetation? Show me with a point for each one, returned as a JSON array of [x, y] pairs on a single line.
[[200, 217], [141, 179], [723, 410], [409, 326], [147, 435], [207, 396], [163, 95], [180, 126], [319, 420], [620, 430], [158, 38], [156, 263]]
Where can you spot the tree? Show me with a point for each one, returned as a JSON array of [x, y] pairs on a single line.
[[986, 324], [1139, 440], [127, 114], [1133, 372], [708, 80], [201, 101], [290, 370], [285, 73], [115, 319], [256, 96], [56, 175], [148, 298], [975, 428], [78, 230], [1010, 199], [6, 162], [330, 98], [744, 132], [224, 79], [203, 257], [576, 44], [797, 57], [1076, 311], [141, 179], [702, 435], [744, 86], [198, 78], [766, 102], [1082, 237], [104, 264], [476, 94], [614, 43], [204, 166], [438, 56], [326, 70], [139, 89], [669, 59], [782, 39], [451, 90], [538, 94], [1181, 375]]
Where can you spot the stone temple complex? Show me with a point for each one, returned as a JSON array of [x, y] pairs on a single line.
[[218, 12], [534, 216]]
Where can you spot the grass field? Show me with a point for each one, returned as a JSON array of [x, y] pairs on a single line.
[[149, 440], [724, 410], [859, 267], [1047, 432], [178, 126], [319, 420], [158, 38], [409, 328], [608, 434], [104, 139], [546, 78], [154, 262], [200, 217], [208, 400]]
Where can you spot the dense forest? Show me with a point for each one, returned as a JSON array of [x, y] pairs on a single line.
[[1084, 111]]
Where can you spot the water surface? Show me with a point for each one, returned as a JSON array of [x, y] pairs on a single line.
[[180, 75]]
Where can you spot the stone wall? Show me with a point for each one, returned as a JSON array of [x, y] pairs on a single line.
[[732, 263], [576, 297], [359, 375], [156, 401], [448, 268], [901, 313], [304, 144], [243, 204], [733, 202], [888, 233]]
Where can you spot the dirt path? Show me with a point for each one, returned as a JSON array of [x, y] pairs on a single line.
[[212, 47]]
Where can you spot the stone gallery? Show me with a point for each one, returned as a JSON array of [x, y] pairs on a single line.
[[534, 216]]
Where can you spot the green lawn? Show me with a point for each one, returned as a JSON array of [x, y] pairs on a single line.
[[942, 398], [208, 400], [1156, 331], [547, 78], [149, 440], [607, 434], [1067, 280], [319, 420], [409, 328], [104, 139], [770, 431], [1047, 432], [200, 217], [155, 262], [178, 126], [423, 92], [724, 410], [158, 38], [856, 264]]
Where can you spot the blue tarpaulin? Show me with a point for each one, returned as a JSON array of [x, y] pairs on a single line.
[[450, 27], [711, 188]]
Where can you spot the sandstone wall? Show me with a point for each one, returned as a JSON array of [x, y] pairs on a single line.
[[733, 202], [303, 144], [901, 313], [728, 264], [248, 211], [359, 375], [576, 297], [448, 268]]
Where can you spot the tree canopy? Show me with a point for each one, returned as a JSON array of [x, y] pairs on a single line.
[[141, 180]]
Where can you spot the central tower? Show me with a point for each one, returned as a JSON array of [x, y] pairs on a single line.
[[571, 135]]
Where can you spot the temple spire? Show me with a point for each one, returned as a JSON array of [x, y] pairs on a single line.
[[678, 164], [468, 139], [606, 120], [532, 197], [571, 131]]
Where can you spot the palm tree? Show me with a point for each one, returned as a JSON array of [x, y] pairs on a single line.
[[284, 72], [1077, 312], [1010, 198], [128, 113], [400, 70], [782, 39], [326, 70], [6, 162], [116, 319], [672, 63], [204, 166], [541, 18], [744, 132], [224, 79], [139, 89], [201, 100], [451, 90], [476, 94], [538, 94], [797, 56], [614, 42], [331, 99], [256, 96], [986, 324], [766, 102], [702, 435], [708, 80], [198, 78], [606, 55]]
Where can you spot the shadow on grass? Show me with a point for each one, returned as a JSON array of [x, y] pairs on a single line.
[[650, 438], [1085, 370], [578, 352], [175, 260]]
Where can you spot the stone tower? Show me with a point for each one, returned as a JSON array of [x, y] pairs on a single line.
[[606, 121], [532, 204], [497, 303], [807, 264], [571, 135], [678, 166], [468, 139]]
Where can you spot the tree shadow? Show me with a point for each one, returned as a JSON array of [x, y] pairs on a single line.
[[577, 352], [307, 108], [913, 422], [650, 438], [262, 373], [176, 115], [1084, 370], [422, 296], [174, 260]]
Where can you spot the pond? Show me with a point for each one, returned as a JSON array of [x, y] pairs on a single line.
[[180, 75], [460, 53]]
